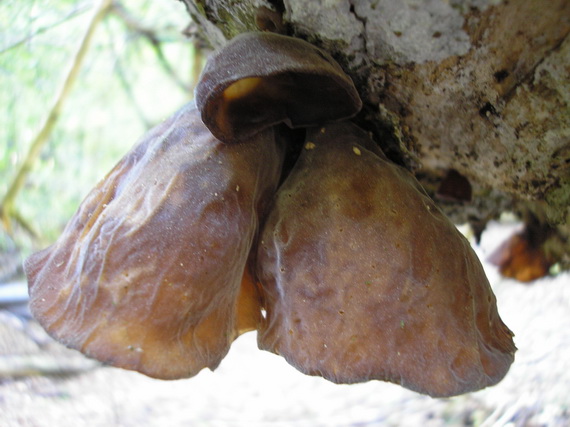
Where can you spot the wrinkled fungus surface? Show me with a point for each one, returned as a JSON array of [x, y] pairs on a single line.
[[147, 274], [190, 237], [364, 278]]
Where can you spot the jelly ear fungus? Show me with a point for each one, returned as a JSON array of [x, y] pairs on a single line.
[[184, 243], [149, 274], [364, 278]]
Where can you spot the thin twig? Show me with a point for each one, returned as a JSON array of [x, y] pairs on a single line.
[[148, 33], [198, 61], [20, 220], [7, 205], [124, 81], [75, 12], [16, 366]]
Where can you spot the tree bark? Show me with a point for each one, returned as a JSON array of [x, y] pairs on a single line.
[[481, 87]]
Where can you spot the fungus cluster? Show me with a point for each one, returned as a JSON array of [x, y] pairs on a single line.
[[202, 232]]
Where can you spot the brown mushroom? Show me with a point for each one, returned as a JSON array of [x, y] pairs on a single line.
[[147, 274], [261, 79], [151, 274], [361, 276], [364, 278], [525, 256]]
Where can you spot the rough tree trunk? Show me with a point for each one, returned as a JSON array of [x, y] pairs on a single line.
[[478, 86]]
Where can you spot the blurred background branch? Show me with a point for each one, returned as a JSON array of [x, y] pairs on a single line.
[[120, 82], [134, 25], [8, 210], [80, 8]]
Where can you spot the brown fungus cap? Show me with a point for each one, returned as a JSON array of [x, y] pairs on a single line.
[[261, 79], [364, 278], [149, 273]]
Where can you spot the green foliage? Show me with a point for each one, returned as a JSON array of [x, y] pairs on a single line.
[[123, 89]]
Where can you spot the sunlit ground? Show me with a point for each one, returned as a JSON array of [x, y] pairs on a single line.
[[256, 388]]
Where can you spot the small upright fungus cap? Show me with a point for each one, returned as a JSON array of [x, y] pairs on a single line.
[[261, 79]]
